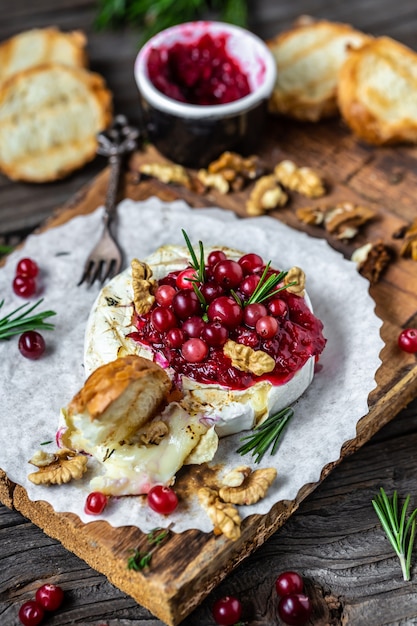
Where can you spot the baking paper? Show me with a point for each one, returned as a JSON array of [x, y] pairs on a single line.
[[325, 416]]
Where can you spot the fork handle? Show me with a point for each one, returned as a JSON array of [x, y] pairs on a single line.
[[115, 161]]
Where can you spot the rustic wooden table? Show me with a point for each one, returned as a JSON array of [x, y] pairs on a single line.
[[334, 539]]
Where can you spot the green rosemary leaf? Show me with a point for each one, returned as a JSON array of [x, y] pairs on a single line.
[[195, 263], [5, 249], [266, 435], [198, 265], [267, 286], [19, 321], [400, 533]]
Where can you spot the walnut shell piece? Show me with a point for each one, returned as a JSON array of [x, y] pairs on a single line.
[[267, 194], [67, 466], [304, 180], [154, 433], [372, 259], [224, 516], [253, 488], [166, 173], [345, 219], [246, 359], [143, 286], [409, 246], [297, 276]]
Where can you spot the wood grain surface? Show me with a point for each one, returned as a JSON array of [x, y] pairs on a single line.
[[333, 539]]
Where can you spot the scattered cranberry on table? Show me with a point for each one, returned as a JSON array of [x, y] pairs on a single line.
[[407, 340], [49, 597], [162, 499], [288, 583], [27, 267], [295, 609], [95, 503], [31, 344], [31, 613], [227, 611]]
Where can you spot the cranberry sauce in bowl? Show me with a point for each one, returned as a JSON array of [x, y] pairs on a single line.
[[204, 88]]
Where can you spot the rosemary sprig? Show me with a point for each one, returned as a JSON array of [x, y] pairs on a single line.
[[155, 15], [267, 286], [400, 532], [140, 560], [197, 264], [15, 324], [266, 435], [5, 249]]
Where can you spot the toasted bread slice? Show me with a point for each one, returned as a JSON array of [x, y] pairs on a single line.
[[39, 46], [115, 401], [378, 92], [49, 119], [308, 58]]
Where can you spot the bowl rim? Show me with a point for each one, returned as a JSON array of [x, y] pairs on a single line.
[[163, 103]]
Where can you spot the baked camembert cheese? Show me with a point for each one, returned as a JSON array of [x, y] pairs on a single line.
[[235, 338]]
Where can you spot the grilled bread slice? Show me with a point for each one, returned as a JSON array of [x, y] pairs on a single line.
[[116, 400], [308, 58], [39, 46], [377, 92], [49, 119]]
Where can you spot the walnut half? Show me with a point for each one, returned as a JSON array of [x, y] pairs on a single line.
[[224, 516], [65, 465], [246, 359], [252, 489]]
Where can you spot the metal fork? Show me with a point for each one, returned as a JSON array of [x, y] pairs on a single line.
[[106, 258]]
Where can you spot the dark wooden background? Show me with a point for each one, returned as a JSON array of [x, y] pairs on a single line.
[[334, 540]]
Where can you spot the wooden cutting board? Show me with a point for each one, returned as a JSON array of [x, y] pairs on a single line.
[[186, 567]]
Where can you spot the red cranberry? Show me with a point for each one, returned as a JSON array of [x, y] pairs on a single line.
[[162, 499], [95, 503], [249, 284], [163, 319], [164, 295], [278, 307], [186, 303], [31, 613], [175, 337], [31, 344], [295, 609], [228, 274], [24, 286], [251, 263], [407, 340], [288, 583], [194, 350], [185, 278], [49, 597], [211, 291], [193, 326], [252, 312], [27, 267], [215, 256], [214, 334], [266, 327], [227, 611], [226, 311]]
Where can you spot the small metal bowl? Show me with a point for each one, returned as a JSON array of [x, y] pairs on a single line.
[[194, 134]]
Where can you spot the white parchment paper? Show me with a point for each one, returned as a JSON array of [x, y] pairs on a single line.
[[325, 417]]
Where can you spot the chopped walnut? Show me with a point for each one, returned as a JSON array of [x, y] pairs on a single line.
[[345, 218], [66, 465], [166, 173], [236, 476], [295, 275], [143, 286], [224, 516], [302, 179], [372, 259], [409, 247], [266, 195], [253, 488], [246, 359], [236, 169], [155, 432], [217, 181], [42, 458], [311, 215]]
